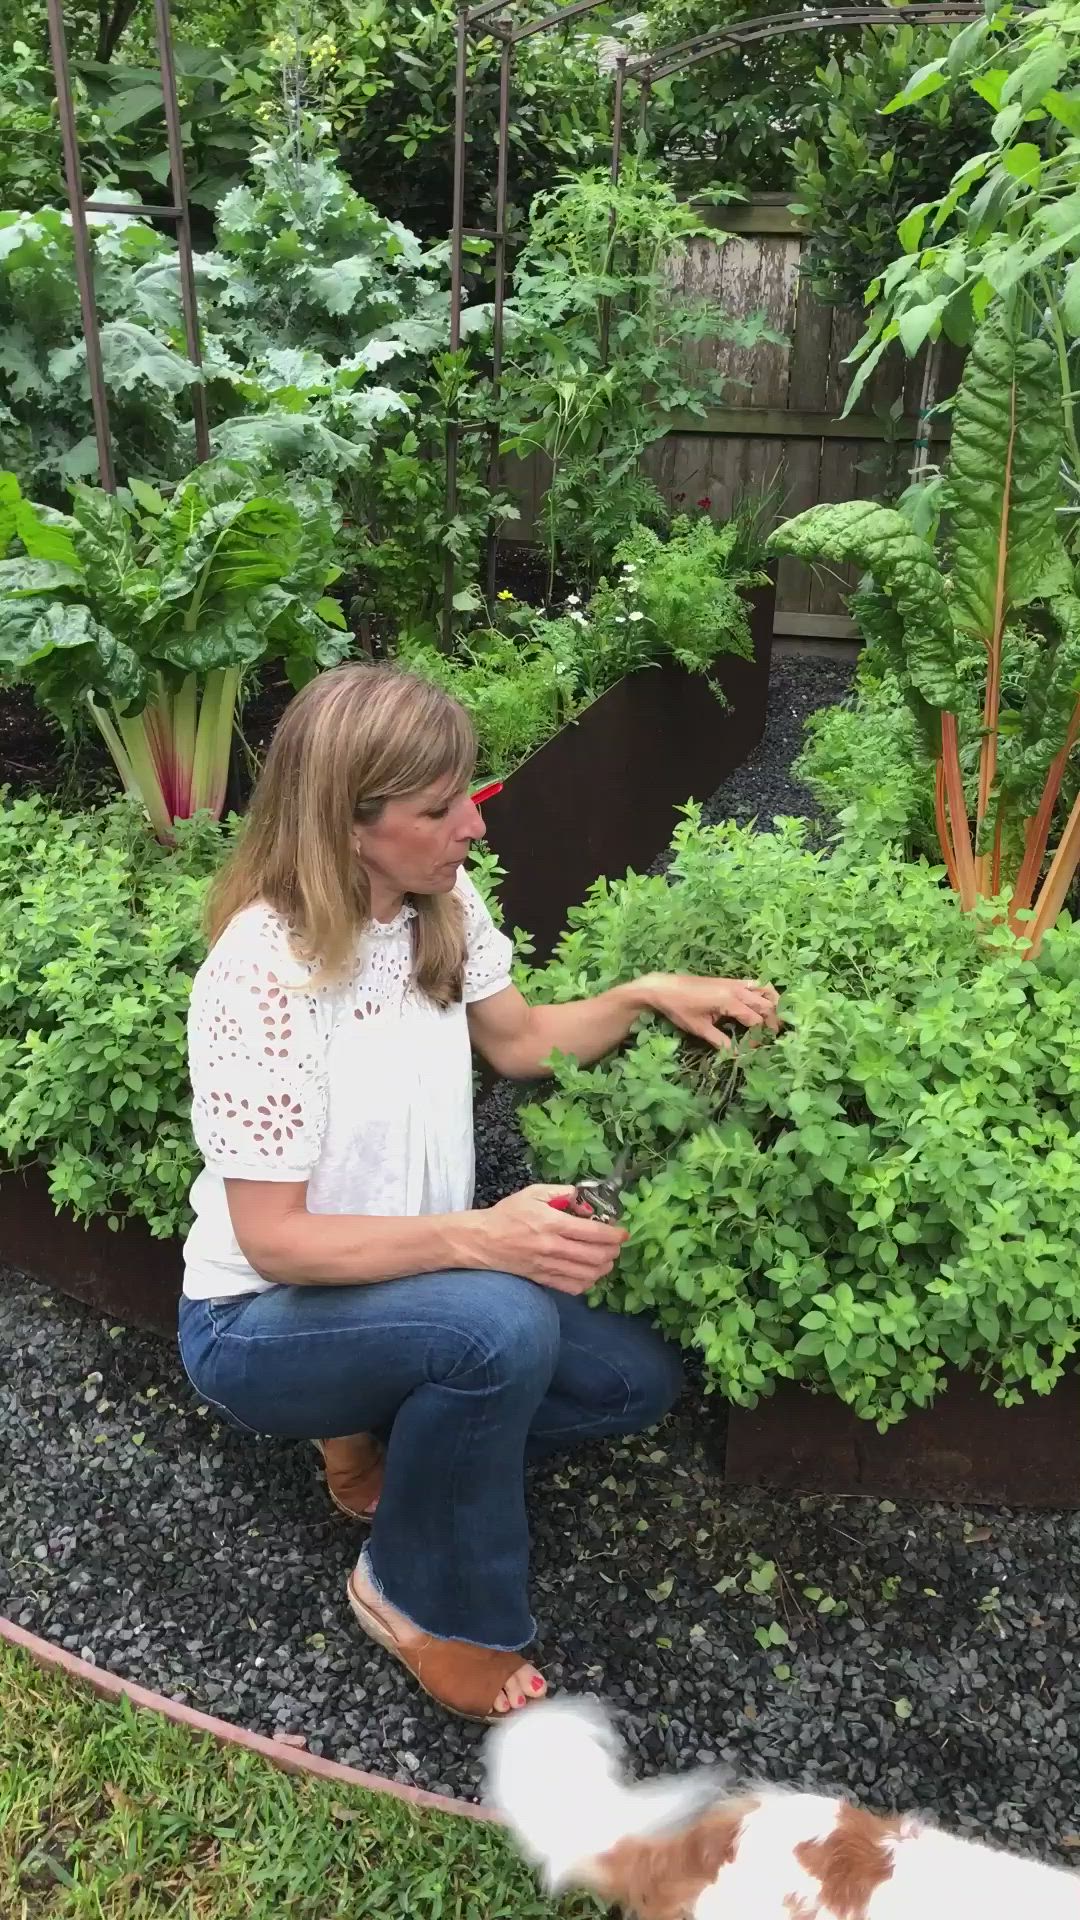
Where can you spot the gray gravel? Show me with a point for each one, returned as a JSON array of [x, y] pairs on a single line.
[[932, 1661]]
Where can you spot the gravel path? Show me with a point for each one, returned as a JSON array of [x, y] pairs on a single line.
[[932, 1661]]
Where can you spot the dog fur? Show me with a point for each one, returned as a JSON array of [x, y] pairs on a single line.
[[687, 1848]]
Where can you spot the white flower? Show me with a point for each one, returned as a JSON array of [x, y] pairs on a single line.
[[573, 599], [580, 618], [637, 616], [620, 619]]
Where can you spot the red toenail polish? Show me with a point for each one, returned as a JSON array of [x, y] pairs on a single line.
[[536, 1683]]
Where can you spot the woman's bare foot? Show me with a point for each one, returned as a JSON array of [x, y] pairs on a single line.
[[524, 1685], [354, 1471]]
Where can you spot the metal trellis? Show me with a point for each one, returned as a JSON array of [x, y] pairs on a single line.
[[494, 18], [176, 214]]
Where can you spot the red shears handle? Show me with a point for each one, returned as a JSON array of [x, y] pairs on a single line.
[[486, 793], [566, 1202]]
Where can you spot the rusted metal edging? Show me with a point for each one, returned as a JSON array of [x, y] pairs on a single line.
[[279, 1753]]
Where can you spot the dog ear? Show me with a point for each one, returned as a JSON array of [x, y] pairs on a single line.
[[662, 1878]]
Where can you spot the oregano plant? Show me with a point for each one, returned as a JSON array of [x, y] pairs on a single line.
[[887, 1189]]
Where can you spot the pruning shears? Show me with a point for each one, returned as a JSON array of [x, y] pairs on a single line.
[[601, 1195]]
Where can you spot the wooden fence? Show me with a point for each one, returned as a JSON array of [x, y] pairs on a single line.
[[782, 433]]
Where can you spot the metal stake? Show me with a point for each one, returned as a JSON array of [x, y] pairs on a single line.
[[84, 259], [497, 317], [178, 182], [453, 433]]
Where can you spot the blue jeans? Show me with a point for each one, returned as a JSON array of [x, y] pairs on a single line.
[[468, 1374]]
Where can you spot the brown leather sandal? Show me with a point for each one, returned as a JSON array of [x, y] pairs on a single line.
[[462, 1678], [354, 1474]]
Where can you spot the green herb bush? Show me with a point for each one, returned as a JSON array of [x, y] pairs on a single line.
[[887, 1188], [690, 587], [100, 938], [677, 598]]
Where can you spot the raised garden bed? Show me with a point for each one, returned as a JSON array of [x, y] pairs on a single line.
[[128, 1275], [964, 1448], [604, 794]]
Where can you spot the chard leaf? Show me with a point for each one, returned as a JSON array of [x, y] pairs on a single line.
[[1050, 696], [64, 652], [1004, 478], [903, 568], [239, 641], [25, 575], [116, 582], [235, 548], [880, 625]]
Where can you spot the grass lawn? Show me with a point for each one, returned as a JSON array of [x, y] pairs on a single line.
[[109, 1814]]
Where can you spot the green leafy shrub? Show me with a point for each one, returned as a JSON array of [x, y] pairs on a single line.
[[100, 937], [858, 171], [888, 1187]]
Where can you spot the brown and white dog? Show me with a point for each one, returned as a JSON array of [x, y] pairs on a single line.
[[684, 1849]]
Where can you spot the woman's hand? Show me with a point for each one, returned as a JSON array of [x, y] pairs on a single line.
[[696, 1005], [526, 1234]]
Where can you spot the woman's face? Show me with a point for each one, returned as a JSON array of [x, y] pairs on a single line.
[[417, 845]]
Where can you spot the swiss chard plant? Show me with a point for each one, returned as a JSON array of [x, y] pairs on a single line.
[[994, 606], [886, 1189], [146, 613]]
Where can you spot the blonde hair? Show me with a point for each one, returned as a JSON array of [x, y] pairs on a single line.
[[352, 739]]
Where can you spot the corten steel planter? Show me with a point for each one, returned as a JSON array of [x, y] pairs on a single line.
[[127, 1276], [965, 1448], [603, 795]]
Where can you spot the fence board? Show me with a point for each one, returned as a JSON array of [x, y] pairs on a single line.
[[782, 434]]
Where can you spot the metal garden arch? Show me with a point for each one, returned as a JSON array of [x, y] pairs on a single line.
[[496, 18]]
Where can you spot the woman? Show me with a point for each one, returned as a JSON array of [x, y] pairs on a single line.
[[338, 1281]]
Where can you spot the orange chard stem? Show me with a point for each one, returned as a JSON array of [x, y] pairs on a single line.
[[992, 700], [961, 831], [1057, 883], [1038, 828]]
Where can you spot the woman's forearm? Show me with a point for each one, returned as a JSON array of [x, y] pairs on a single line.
[[588, 1029], [298, 1248]]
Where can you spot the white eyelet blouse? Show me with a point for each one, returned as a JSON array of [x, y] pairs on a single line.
[[363, 1089]]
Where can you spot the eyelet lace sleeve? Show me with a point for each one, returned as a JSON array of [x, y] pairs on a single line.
[[256, 1056], [489, 954]]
